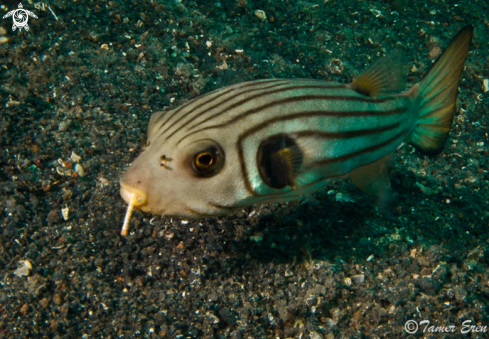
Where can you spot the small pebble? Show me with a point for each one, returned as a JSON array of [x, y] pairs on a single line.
[[24, 309], [103, 181], [27, 264], [24, 269], [80, 170], [44, 302], [63, 125], [315, 335], [75, 157], [261, 14], [57, 299], [343, 197], [65, 212], [358, 279]]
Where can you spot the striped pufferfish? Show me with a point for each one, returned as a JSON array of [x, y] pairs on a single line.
[[276, 140]]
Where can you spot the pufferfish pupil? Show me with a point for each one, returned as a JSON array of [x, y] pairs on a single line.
[[204, 160], [279, 159]]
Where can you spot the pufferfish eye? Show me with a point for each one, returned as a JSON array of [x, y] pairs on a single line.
[[208, 160]]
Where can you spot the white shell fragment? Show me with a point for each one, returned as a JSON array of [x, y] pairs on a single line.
[[223, 66], [22, 271], [75, 157], [24, 268], [27, 264], [358, 279], [65, 213], [486, 85], [80, 170], [103, 181], [261, 15], [125, 225], [63, 125], [65, 171]]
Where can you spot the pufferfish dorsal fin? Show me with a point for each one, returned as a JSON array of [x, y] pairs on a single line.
[[386, 76], [373, 178]]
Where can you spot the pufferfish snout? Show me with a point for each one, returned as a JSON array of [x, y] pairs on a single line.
[[133, 191], [136, 182], [175, 180]]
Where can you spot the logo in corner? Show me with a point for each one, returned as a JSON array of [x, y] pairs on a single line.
[[20, 17]]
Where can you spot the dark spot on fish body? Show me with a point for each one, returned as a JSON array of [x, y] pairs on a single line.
[[278, 159]]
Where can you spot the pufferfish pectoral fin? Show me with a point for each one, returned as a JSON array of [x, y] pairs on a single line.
[[280, 161], [373, 178]]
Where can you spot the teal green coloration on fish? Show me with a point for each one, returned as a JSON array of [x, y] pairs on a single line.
[[280, 139]]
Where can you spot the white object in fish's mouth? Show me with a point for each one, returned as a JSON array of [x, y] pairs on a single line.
[[125, 225]]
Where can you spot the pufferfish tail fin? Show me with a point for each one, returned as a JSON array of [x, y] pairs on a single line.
[[437, 95]]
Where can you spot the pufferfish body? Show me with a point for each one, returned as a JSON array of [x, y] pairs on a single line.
[[276, 140]]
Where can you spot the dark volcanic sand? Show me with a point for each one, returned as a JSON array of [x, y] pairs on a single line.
[[347, 268]]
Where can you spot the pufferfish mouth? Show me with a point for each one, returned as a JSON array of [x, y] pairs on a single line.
[[131, 194]]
